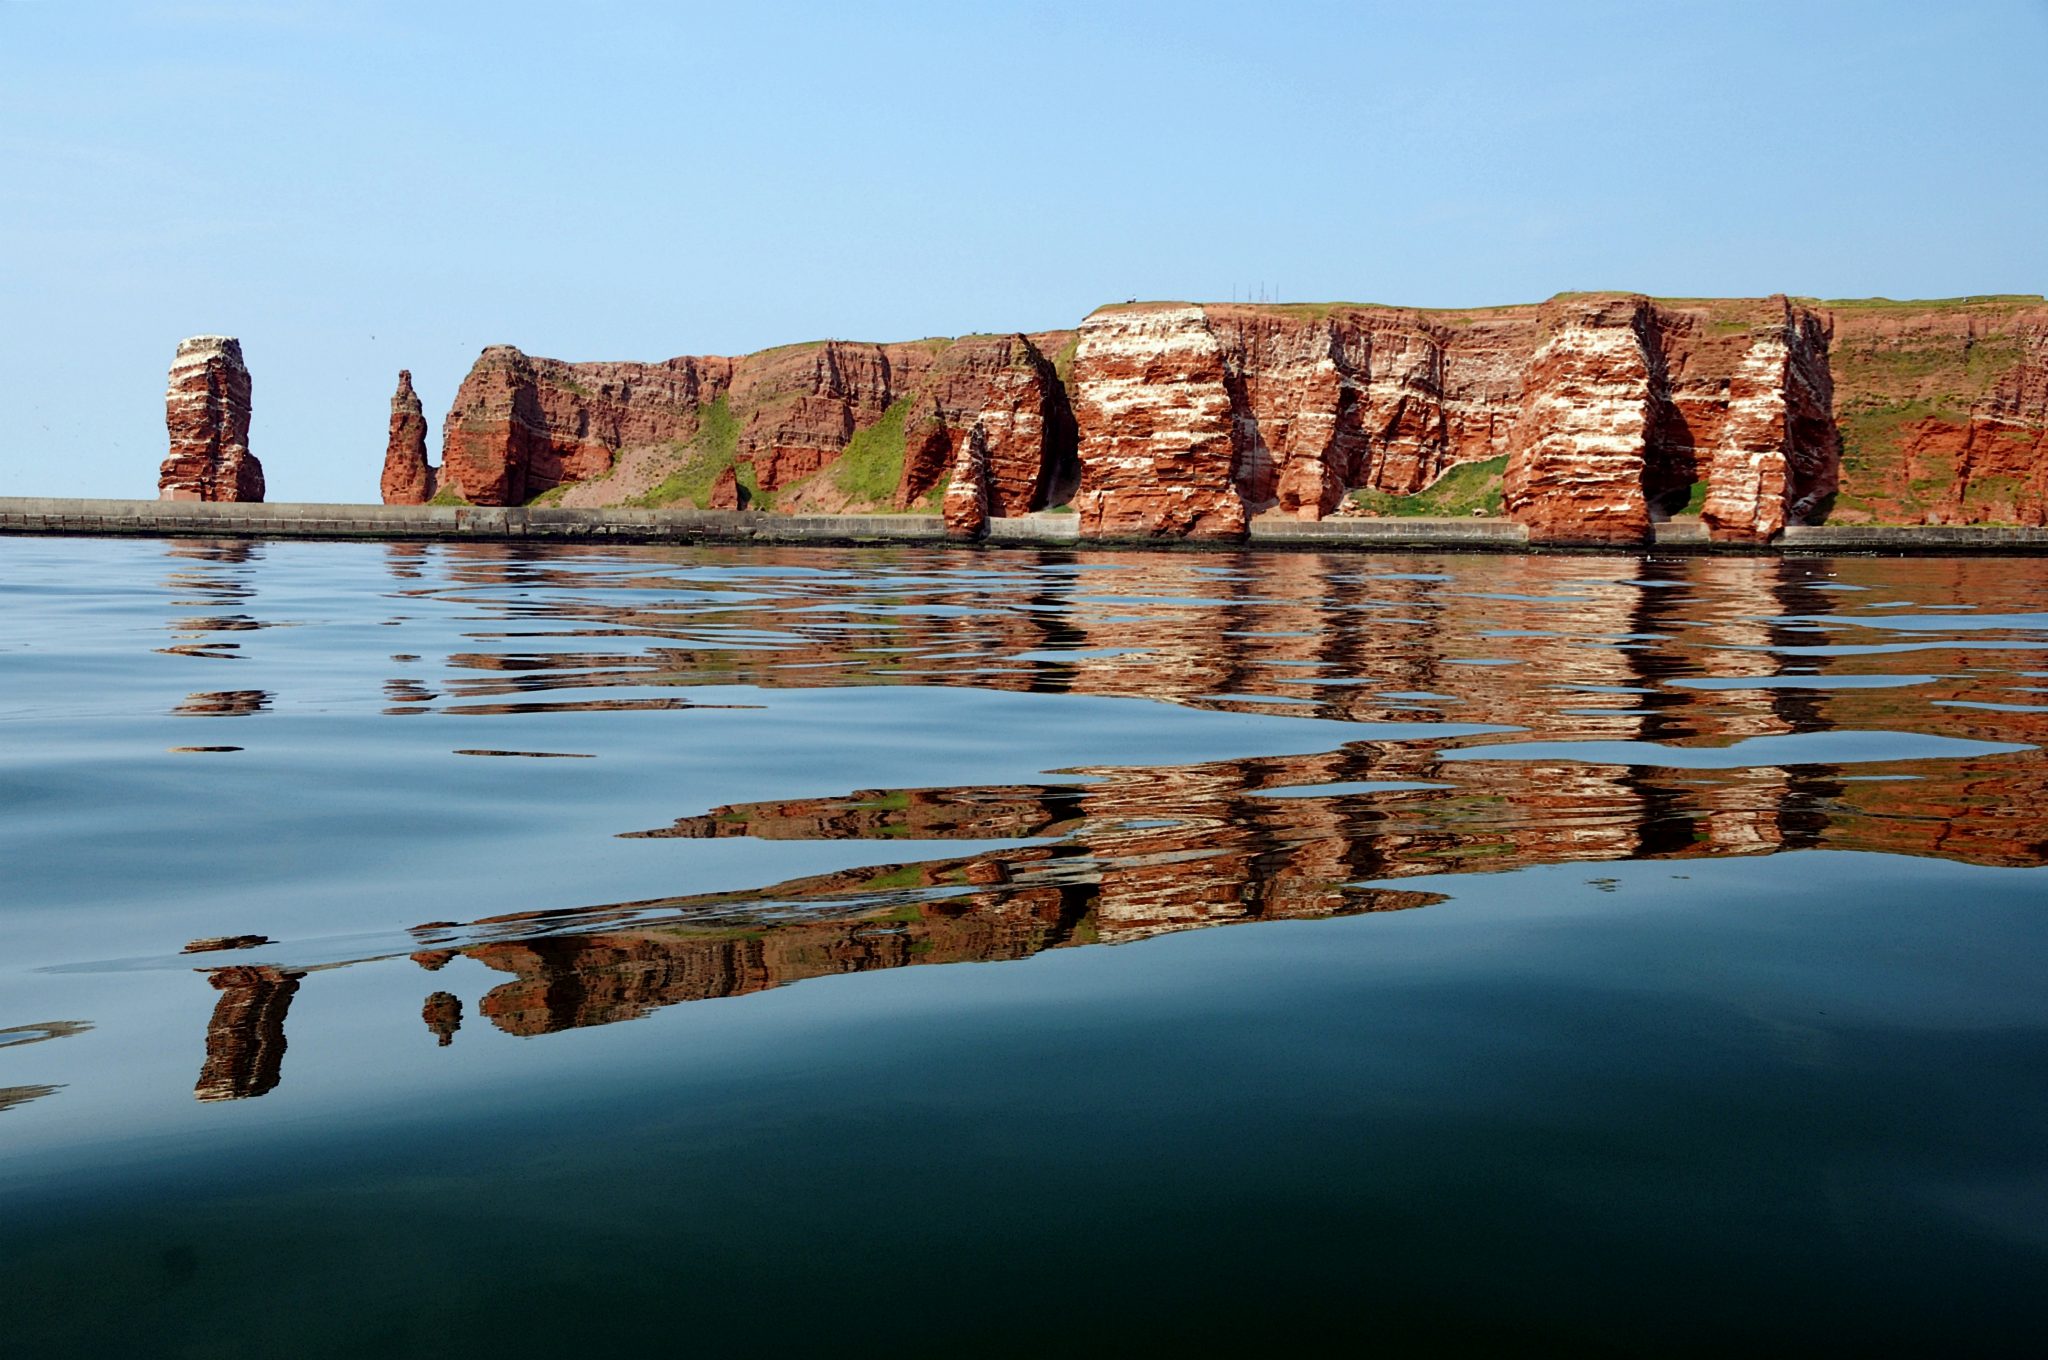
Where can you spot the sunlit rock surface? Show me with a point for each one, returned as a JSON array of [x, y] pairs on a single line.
[[408, 480], [206, 412]]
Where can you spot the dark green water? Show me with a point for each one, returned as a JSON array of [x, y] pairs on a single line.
[[476, 949]]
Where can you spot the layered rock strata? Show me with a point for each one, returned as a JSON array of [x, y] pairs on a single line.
[[969, 493], [1776, 456], [1577, 457], [407, 480], [1157, 429], [1631, 407], [773, 423], [206, 412], [1586, 418], [1943, 410]]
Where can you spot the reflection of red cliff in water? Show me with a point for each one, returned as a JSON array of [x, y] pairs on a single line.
[[572, 980], [1659, 653], [245, 1039]]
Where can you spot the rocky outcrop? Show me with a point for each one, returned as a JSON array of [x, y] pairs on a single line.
[[407, 480], [773, 425], [1776, 456], [1157, 428], [521, 425], [1586, 418], [1285, 408], [206, 411], [727, 493], [1631, 406], [1580, 446], [968, 493], [1004, 386]]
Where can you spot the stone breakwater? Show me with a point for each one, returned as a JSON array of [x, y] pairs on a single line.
[[192, 519], [1589, 419], [206, 412]]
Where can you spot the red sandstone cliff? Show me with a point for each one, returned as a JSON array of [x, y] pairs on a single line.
[[206, 411], [823, 427], [1593, 415], [407, 478], [1943, 410], [1630, 403]]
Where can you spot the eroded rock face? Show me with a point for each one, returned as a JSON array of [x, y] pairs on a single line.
[[1942, 408], [1776, 456], [1607, 412], [407, 480], [1312, 403], [1629, 404], [968, 494], [206, 411], [611, 431], [2004, 459], [1005, 386], [522, 425], [1577, 454], [1157, 427]]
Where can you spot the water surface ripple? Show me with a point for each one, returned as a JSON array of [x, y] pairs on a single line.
[[1662, 965]]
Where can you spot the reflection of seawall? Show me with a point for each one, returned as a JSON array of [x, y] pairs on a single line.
[[568, 981]]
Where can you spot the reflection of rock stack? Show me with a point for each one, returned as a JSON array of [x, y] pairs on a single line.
[[245, 1038], [443, 1015], [226, 703]]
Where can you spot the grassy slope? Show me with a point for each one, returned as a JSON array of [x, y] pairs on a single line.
[[1455, 495], [1901, 392], [709, 452]]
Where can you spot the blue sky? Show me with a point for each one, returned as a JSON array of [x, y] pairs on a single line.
[[357, 187]]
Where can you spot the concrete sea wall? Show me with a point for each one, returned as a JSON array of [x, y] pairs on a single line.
[[179, 519]]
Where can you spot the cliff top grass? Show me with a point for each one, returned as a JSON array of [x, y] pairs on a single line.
[[1316, 311], [1312, 311], [2001, 302]]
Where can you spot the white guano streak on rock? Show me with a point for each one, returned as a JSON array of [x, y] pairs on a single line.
[[1746, 476]]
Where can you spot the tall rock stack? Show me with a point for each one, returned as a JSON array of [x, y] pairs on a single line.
[[1158, 453], [407, 478], [966, 506], [1589, 400], [206, 410], [1777, 455]]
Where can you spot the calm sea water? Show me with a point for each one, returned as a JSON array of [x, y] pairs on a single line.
[[458, 949]]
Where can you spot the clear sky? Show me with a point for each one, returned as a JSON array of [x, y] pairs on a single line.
[[355, 187]]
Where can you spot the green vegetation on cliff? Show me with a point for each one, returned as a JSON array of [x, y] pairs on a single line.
[[868, 472], [1456, 494], [709, 452]]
